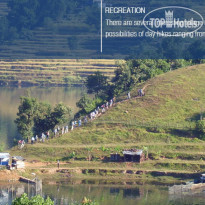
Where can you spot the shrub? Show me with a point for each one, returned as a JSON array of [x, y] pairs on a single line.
[[200, 127], [36, 200]]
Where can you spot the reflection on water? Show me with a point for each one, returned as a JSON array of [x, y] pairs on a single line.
[[9, 102], [105, 193]]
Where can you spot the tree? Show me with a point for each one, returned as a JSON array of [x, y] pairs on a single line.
[[60, 114], [28, 110], [146, 150], [36, 117], [84, 102], [96, 83], [200, 127], [42, 120]]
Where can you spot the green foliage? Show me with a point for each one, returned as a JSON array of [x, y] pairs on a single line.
[[87, 105], [133, 72], [60, 114], [72, 155], [28, 110], [200, 126], [104, 149], [1, 147], [31, 13], [43, 121], [136, 71], [146, 149], [36, 200], [96, 83], [84, 102], [71, 79], [37, 117], [87, 201], [118, 149]]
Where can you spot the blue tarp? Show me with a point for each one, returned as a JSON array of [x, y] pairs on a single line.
[[4, 159]]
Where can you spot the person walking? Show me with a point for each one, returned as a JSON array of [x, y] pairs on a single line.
[[62, 131], [55, 132], [58, 163], [72, 125], [48, 135], [128, 95], [79, 123], [32, 140], [36, 139]]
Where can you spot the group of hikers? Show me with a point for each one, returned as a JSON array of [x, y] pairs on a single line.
[[75, 123]]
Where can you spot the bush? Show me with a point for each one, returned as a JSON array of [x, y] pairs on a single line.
[[36, 200], [87, 105], [200, 127]]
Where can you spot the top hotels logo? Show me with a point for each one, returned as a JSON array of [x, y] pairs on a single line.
[[173, 19]]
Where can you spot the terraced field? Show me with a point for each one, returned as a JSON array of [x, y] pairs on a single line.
[[52, 72]]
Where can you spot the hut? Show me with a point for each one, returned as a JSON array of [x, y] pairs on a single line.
[[115, 157], [18, 162], [133, 155], [4, 159]]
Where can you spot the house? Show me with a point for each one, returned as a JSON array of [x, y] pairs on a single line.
[[4, 159], [115, 157], [18, 162], [133, 155]]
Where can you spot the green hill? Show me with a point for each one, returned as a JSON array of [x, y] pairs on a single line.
[[163, 120]]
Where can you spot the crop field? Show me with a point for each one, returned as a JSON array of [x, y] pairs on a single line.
[[52, 72]]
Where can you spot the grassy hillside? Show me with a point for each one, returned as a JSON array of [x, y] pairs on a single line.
[[163, 121], [52, 72]]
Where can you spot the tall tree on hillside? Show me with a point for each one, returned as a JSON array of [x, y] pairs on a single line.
[[59, 115], [42, 120], [96, 83], [28, 110]]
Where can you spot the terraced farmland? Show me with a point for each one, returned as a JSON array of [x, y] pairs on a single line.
[[52, 72]]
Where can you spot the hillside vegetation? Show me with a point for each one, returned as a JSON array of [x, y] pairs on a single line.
[[52, 72], [163, 121]]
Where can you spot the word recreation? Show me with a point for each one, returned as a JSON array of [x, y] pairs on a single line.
[[125, 10]]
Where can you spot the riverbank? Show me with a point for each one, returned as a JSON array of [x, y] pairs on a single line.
[[92, 171]]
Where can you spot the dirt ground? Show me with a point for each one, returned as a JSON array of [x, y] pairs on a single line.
[[7, 175]]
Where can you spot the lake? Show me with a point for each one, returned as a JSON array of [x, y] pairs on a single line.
[[10, 100], [102, 191]]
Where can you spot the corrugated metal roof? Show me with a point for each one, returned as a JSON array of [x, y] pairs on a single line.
[[137, 152], [4, 155], [18, 158]]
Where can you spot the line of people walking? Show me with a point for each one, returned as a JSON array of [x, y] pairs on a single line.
[[59, 131]]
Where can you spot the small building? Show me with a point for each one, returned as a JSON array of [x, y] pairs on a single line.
[[115, 157], [18, 162], [4, 159], [133, 155]]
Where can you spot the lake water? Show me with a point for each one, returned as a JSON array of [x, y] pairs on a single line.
[[104, 192], [9, 102]]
